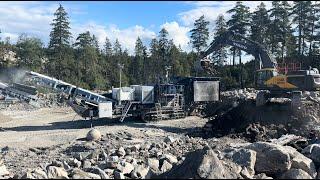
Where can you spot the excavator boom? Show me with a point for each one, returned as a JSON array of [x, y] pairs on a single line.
[[236, 40]]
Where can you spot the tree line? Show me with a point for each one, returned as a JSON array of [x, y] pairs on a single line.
[[290, 32]]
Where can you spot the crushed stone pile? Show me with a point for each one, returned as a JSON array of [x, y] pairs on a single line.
[[122, 156]]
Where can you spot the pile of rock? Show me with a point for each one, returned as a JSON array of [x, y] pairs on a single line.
[[4, 173], [260, 160], [246, 93], [104, 159]]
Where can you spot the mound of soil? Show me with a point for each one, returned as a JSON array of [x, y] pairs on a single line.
[[269, 121]]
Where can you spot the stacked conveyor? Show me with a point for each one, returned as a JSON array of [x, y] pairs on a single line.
[[84, 102]]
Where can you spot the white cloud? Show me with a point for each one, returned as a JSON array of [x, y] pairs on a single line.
[[17, 18], [211, 10], [178, 33]]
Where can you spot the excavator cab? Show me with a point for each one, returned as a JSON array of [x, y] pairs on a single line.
[[263, 75]]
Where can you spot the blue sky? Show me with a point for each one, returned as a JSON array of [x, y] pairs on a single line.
[[124, 20]]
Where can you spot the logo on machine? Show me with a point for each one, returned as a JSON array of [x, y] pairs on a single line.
[[239, 45]]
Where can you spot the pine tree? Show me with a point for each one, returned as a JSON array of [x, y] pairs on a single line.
[[313, 17], [89, 71], [301, 12], [154, 63], [220, 27], [238, 23], [280, 31], [163, 47], [200, 34], [117, 49], [60, 52], [108, 47], [260, 22], [137, 63]]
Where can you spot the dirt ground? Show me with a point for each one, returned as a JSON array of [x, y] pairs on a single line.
[[47, 127]]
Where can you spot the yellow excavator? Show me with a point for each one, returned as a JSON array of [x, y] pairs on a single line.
[[268, 78]]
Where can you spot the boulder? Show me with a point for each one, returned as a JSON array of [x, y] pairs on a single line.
[[74, 162], [66, 165], [86, 164], [135, 148], [203, 163], [121, 152], [305, 164], [295, 174], [261, 176], [153, 164], [165, 166], [4, 171], [93, 135], [98, 171], [112, 162], [313, 152], [245, 158], [81, 155], [271, 158], [213, 168], [125, 167], [245, 173], [118, 175], [79, 174], [57, 173], [170, 158], [169, 139], [37, 173], [141, 172], [299, 161]]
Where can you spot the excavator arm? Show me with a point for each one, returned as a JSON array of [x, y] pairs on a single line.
[[242, 43]]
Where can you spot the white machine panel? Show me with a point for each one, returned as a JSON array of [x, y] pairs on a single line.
[[105, 110], [206, 91]]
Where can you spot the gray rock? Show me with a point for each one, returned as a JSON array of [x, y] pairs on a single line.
[[121, 152], [56, 163], [141, 172], [305, 164], [98, 171], [66, 165], [213, 168], [271, 158], [3, 170], [135, 147], [37, 173], [153, 164], [118, 175], [169, 139], [313, 152], [86, 164], [245, 158], [245, 173], [79, 174], [262, 176], [170, 158], [57, 173], [203, 163], [81, 155], [112, 162], [93, 135], [165, 166], [74, 162], [125, 167], [94, 154], [295, 174]]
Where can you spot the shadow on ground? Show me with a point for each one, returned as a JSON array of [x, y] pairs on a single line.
[[83, 124]]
